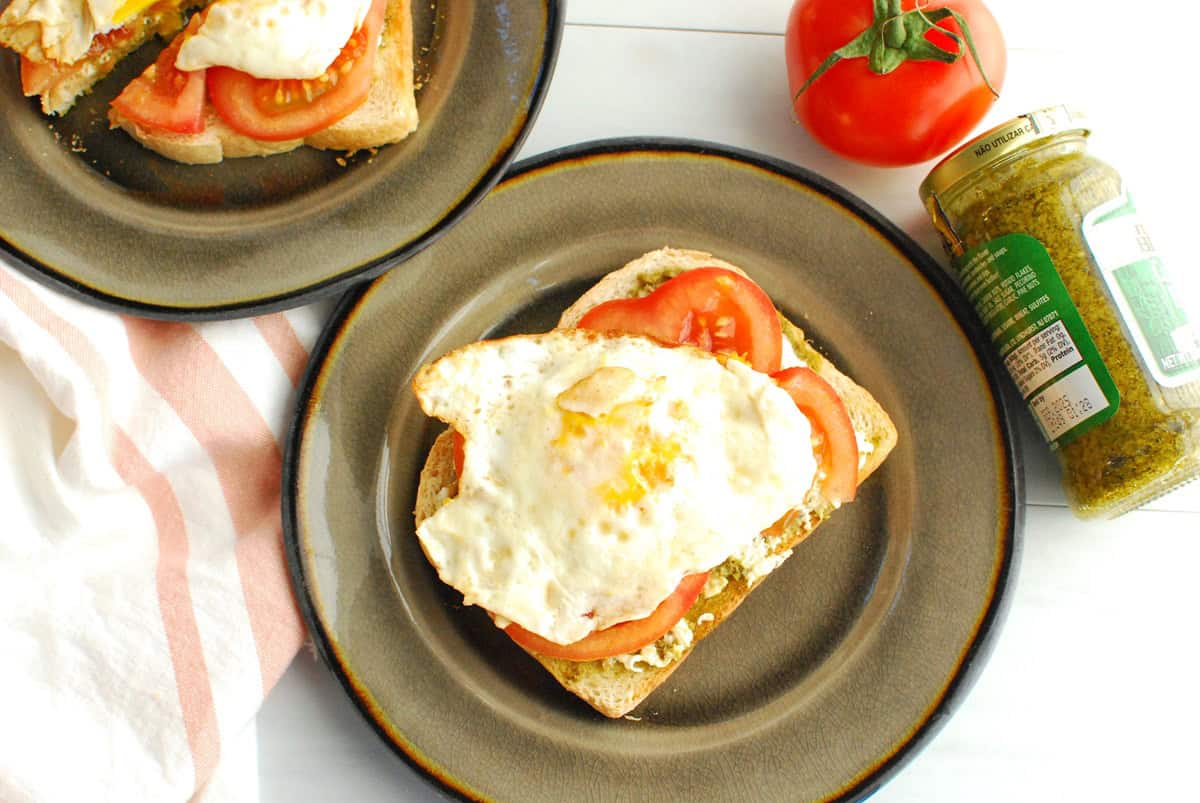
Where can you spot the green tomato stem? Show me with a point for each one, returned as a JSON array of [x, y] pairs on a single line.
[[896, 36]]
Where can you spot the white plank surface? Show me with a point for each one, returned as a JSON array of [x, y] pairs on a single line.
[[1091, 692], [753, 16]]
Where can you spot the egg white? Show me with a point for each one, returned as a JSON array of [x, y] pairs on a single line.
[[600, 470], [277, 39]]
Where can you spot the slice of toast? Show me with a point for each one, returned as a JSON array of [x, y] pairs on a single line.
[[389, 113], [59, 85], [615, 686]]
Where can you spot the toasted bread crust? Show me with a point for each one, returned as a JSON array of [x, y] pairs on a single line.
[[609, 686], [389, 113]]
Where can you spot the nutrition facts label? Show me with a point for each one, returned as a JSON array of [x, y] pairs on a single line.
[[1042, 357], [1039, 335]]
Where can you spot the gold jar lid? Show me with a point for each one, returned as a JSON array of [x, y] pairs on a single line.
[[998, 142]]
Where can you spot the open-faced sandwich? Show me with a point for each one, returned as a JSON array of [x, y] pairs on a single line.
[[611, 490], [243, 78]]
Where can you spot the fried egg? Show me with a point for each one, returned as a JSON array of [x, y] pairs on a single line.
[[600, 470], [68, 26], [276, 39]]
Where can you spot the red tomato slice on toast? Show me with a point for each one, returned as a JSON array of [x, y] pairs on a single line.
[[621, 638], [39, 76], [36, 76], [460, 453], [711, 308], [172, 100], [838, 450], [274, 110]]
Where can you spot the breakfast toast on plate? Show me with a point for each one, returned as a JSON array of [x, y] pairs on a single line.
[[202, 111], [616, 684], [387, 115]]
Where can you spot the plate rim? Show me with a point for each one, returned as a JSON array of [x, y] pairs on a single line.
[[30, 266], [974, 655]]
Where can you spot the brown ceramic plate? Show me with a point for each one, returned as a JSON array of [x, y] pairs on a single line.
[[835, 669], [90, 212]]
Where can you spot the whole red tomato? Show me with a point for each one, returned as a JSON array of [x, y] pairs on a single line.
[[916, 109]]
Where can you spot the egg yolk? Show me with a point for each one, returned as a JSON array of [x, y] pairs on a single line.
[[130, 8], [647, 467]]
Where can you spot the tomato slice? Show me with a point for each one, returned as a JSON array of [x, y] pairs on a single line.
[[621, 638], [273, 109], [37, 76], [838, 449], [460, 453], [171, 100], [711, 308]]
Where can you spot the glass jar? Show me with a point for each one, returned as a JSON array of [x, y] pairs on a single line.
[[1046, 242]]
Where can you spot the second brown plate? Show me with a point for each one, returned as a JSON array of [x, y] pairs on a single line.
[[91, 213]]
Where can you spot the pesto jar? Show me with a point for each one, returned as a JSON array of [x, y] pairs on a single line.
[[1046, 242]]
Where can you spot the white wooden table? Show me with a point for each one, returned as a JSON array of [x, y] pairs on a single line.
[[1093, 689]]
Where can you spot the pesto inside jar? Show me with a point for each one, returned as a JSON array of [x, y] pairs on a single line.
[[1045, 190]]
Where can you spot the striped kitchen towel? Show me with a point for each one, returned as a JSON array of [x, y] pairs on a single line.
[[145, 608]]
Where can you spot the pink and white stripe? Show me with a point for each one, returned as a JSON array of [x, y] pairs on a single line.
[[145, 608]]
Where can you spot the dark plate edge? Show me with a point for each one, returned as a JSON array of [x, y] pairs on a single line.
[[1011, 531], [320, 637], [44, 274]]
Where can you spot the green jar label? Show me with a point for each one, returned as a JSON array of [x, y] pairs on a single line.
[[1139, 283], [1040, 335]]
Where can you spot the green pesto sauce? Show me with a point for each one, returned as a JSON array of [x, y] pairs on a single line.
[[732, 570], [804, 350], [1141, 451], [647, 283]]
